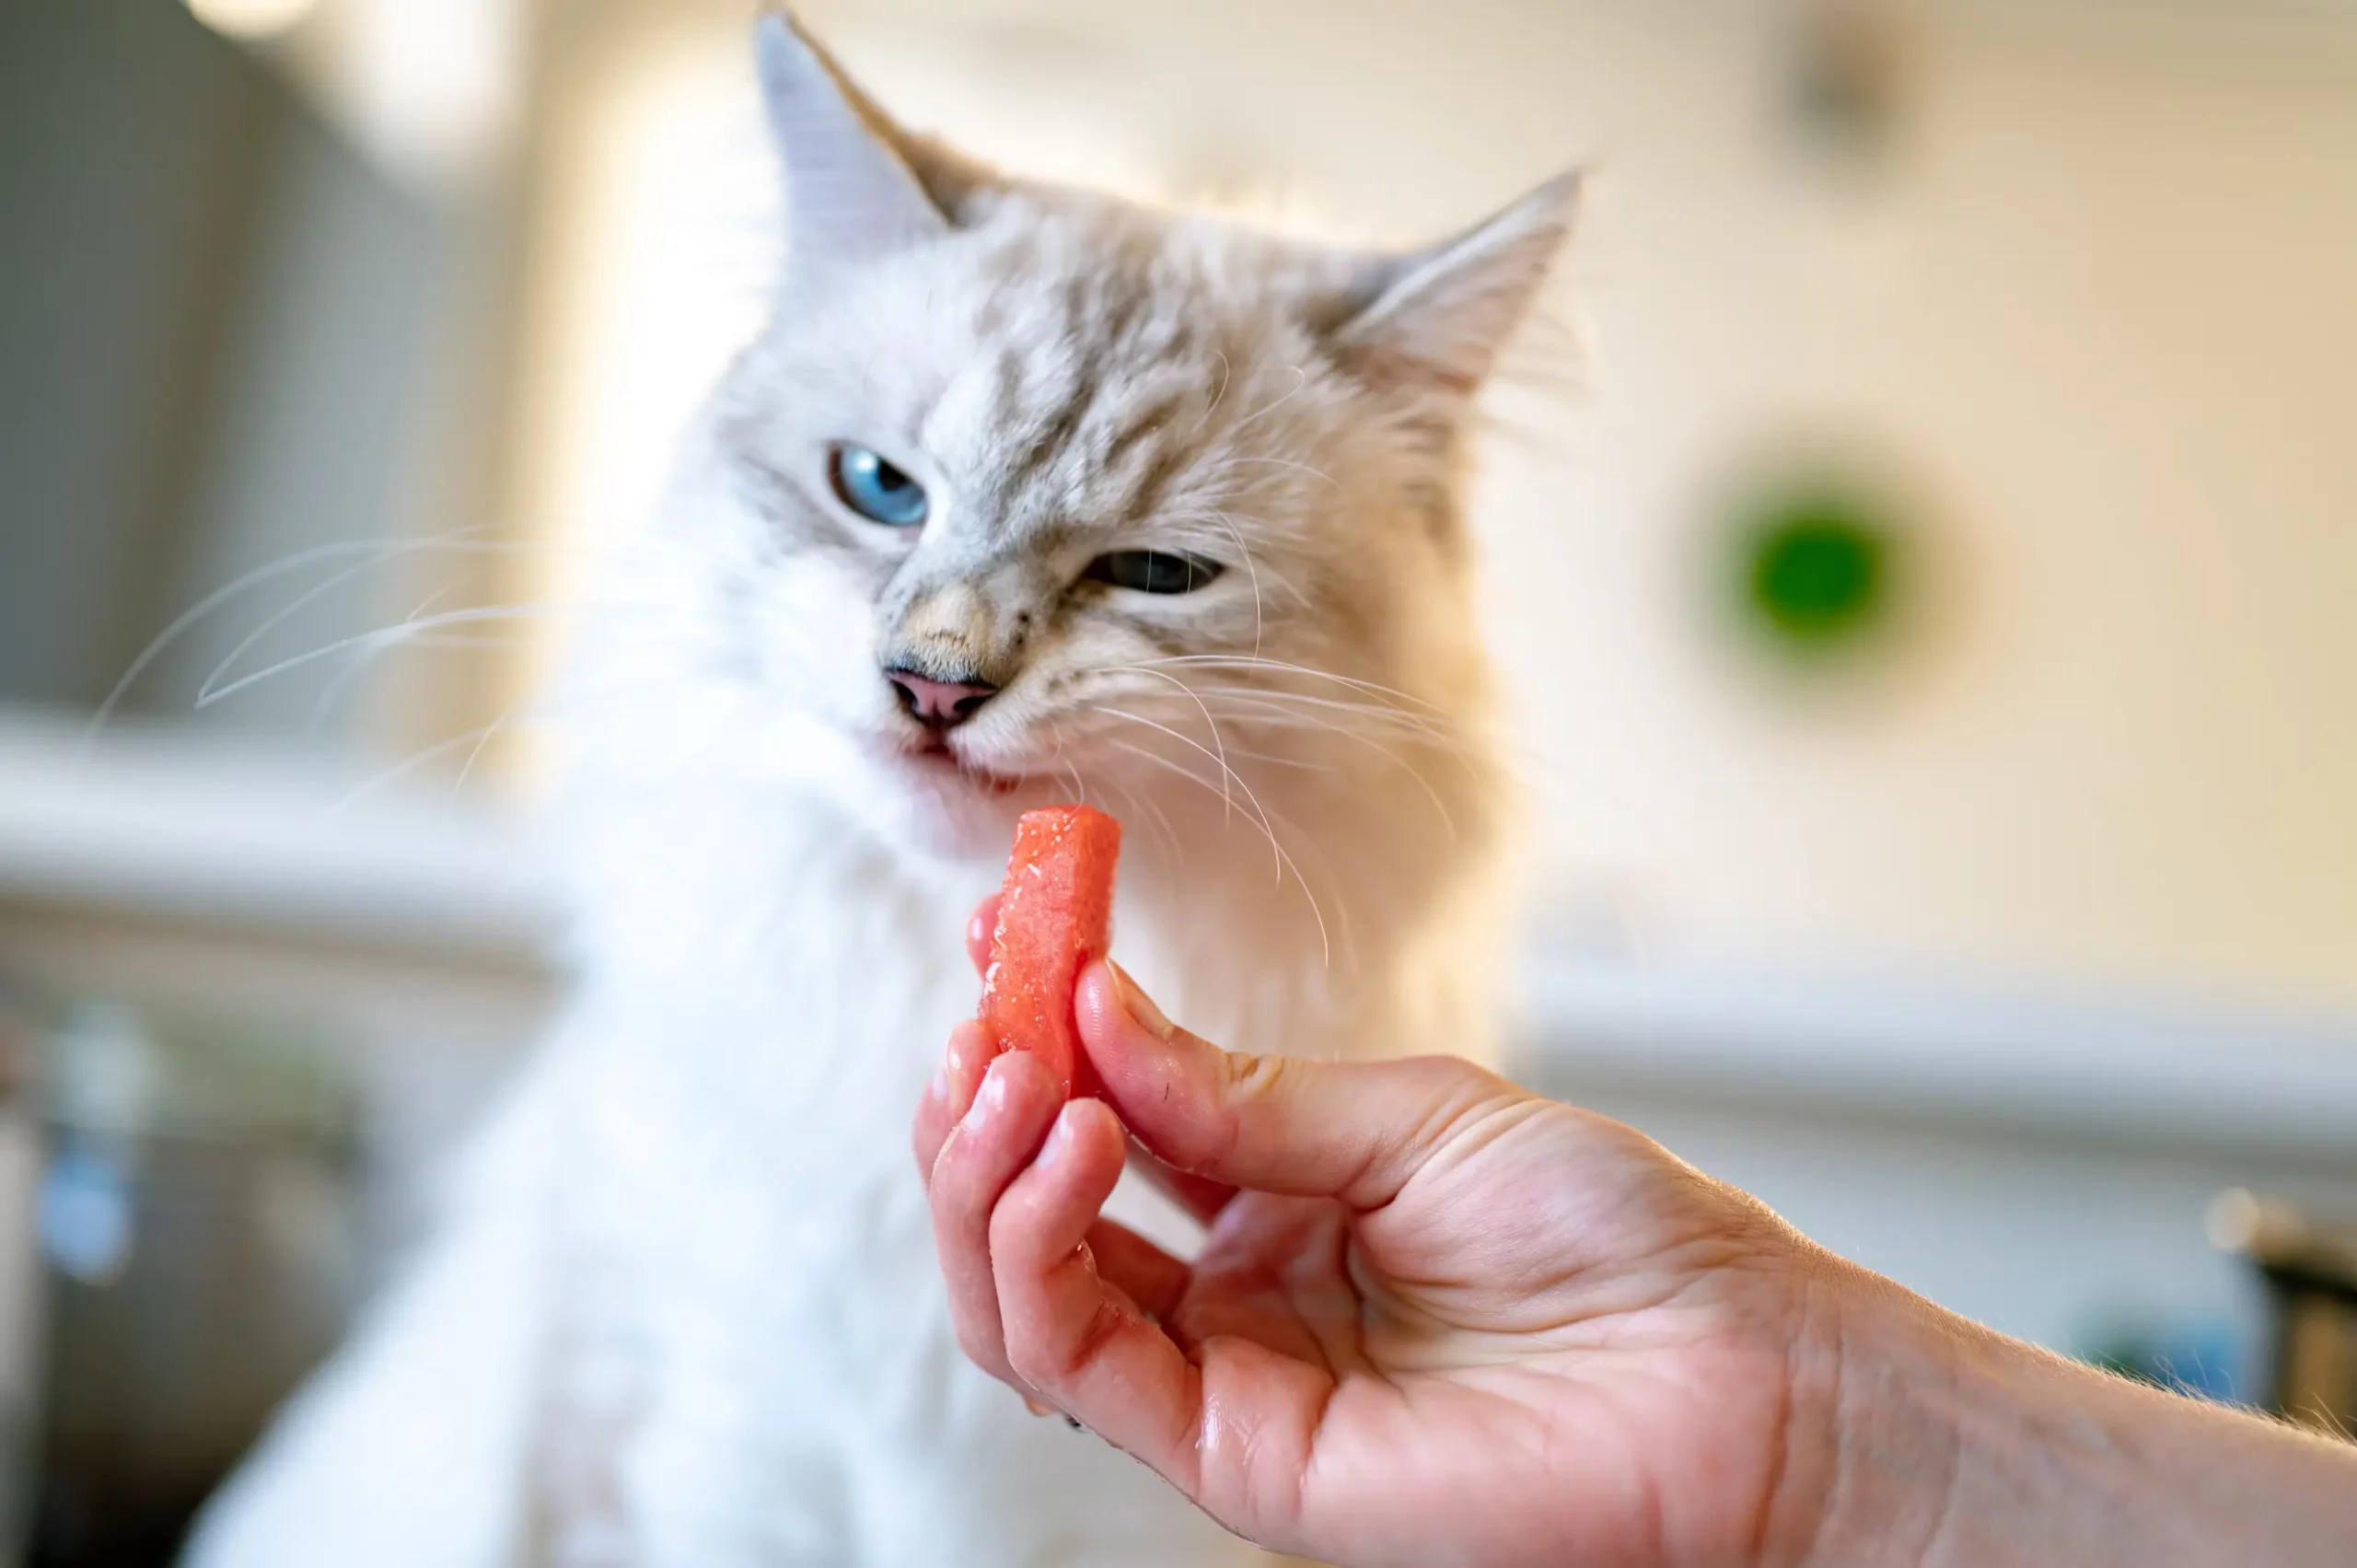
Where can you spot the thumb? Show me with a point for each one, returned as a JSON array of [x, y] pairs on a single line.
[[1351, 1131]]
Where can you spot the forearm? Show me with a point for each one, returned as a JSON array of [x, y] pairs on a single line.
[[1959, 1448]]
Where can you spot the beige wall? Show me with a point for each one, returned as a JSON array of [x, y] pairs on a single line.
[[2104, 312]]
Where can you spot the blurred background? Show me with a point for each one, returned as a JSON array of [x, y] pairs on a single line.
[[1924, 535]]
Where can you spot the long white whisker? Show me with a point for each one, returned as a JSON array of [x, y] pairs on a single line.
[[1447, 820], [1271, 758], [214, 600], [1211, 723], [1252, 570], [1417, 724], [336, 580], [1391, 713], [467, 768], [1256, 715], [1256, 662], [1225, 772], [527, 712], [1310, 846], [388, 635], [375, 553], [413, 762], [1285, 860], [335, 684], [1440, 736], [1140, 805]]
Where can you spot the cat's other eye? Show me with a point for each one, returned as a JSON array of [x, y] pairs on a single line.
[[1152, 570], [870, 485]]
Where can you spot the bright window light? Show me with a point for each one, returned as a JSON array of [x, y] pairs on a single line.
[[251, 18]]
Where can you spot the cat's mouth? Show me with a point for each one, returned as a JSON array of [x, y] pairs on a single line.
[[935, 757]]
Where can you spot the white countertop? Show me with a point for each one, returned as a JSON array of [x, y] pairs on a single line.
[[174, 827], [2026, 1058]]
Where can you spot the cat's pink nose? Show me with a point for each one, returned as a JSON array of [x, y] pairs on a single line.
[[939, 704]]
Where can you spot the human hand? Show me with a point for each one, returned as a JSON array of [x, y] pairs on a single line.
[[1434, 1319]]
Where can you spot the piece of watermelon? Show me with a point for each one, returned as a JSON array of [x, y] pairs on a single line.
[[1055, 916]]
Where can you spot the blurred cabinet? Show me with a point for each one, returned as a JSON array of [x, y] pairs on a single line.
[[220, 335], [250, 1030]]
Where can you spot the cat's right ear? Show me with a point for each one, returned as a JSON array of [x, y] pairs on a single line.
[[858, 186], [1435, 320]]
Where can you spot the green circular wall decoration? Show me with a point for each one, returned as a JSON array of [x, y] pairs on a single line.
[[1816, 568]]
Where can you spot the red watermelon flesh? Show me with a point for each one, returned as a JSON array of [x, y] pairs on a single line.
[[1055, 916]]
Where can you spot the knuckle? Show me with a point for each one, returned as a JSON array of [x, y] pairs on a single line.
[[1456, 1078], [1249, 1086], [961, 1191], [1103, 1325], [1248, 1079], [1056, 1359], [1003, 1231]]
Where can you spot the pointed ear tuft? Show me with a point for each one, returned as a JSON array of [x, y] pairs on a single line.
[[1437, 319], [857, 185]]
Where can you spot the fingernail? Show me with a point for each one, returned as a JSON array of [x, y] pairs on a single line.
[[938, 1088], [1059, 1139], [995, 1089], [1139, 1006], [1036, 1408]]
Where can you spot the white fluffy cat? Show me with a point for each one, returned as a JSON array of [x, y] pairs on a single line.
[[1026, 494]]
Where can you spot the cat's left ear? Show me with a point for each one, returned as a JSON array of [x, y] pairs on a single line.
[[1435, 320], [858, 185]]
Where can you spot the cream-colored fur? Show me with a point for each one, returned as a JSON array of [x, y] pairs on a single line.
[[685, 1312]]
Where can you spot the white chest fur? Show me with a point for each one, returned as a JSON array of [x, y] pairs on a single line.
[[751, 1362]]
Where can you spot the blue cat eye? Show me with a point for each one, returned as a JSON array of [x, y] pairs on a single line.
[[870, 485]]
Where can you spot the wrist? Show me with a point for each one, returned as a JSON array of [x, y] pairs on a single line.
[[1951, 1446], [1873, 1452], [1943, 1445]]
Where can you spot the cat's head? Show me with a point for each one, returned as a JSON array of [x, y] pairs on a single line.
[[1028, 492]]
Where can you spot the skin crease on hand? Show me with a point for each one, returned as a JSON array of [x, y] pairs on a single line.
[[1435, 1319]]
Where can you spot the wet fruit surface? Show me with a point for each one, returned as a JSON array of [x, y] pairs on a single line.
[[1055, 917]]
